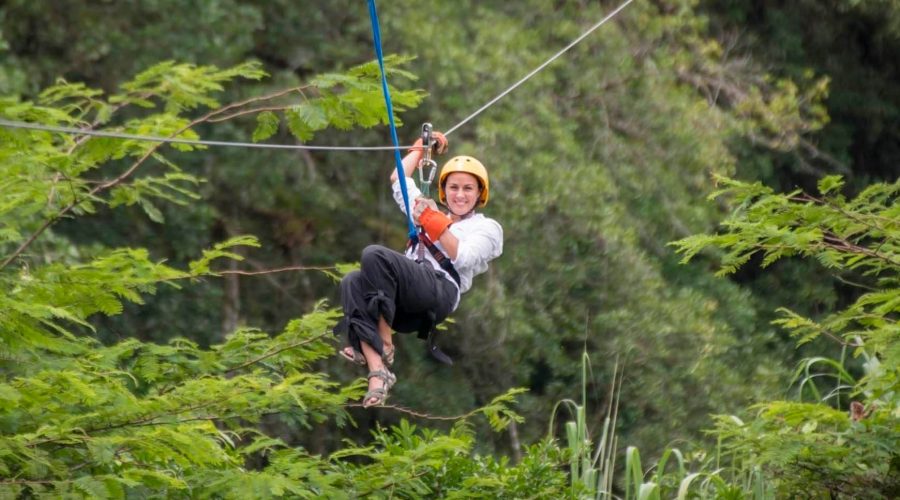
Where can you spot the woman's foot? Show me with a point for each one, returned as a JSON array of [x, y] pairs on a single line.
[[380, 382], [352, 355], [388, 356]]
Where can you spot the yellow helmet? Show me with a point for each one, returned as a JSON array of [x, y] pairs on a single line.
[[468, 165]]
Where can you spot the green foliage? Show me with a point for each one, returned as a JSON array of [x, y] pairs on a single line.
[[599, 158], [859, 234], [155, 415], [813, 447], [137, 419], [817, 449], [343, 101], [852, 45], [408, 462], [592, 471], [591, 462], [184, 87], [571, 154], [100, 43]]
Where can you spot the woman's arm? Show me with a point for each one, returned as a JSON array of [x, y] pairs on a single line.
[[484, 242], [411, 160], [477, 245], [450, 244]]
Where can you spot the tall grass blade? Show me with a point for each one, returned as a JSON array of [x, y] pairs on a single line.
[[574, 448], [590, 467], [634, 475], [685, 486], [648, 491]]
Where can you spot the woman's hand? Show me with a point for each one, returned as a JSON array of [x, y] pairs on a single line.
[[440, 143], [421, 204], [412, 158]]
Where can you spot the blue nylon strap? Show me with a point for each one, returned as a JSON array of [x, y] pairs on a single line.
[[401, 175]]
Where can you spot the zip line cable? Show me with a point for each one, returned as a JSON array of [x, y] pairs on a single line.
[[539, 68], [197, 142], [175, 140]]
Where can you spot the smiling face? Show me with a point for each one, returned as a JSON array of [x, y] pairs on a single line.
[[462, 192]]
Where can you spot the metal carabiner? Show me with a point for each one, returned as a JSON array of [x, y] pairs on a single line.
[[424, 180], [426, 161], [426, 139]]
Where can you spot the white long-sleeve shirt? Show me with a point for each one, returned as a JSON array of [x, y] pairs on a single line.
[[480, 241]]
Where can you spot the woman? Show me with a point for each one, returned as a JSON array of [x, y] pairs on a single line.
[[414, 292]]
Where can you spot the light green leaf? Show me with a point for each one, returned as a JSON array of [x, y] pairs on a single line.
[[266, 126], [830, 183], [313, 115]]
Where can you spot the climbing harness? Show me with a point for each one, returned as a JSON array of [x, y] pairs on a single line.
[[439, 256], [428, 330]]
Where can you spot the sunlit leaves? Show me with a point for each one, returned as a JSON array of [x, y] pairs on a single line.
[[81, 418], [804, 442], [351, 99], [857, 234], [222, 250], [143, 190], [266, 126], [814, 448], [182, 87], [830, 183], [416, 462], [75, 99], [498, 412]]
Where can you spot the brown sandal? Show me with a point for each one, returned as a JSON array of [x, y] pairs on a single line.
[[379, 394], [388, 356], [356, 357]]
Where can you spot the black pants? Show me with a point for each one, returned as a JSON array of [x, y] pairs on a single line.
[[411, 296]]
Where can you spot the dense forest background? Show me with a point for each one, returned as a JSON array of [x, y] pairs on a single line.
[[597, 164]]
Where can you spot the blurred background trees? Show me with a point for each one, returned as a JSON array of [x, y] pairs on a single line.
[[596, 164]]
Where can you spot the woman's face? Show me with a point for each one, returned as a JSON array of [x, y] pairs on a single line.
[[462, 192]]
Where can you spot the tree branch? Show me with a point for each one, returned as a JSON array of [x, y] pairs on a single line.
[[842, 244], [248, 112], [275, 352], [852, 283], [25, 481], [111, 183], [81, 140], [417, 414], [135, 423], [252, 100], [277, 270], [816, 153]]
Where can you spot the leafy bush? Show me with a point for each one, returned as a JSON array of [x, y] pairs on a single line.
[[137, 419], [829, 447]]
